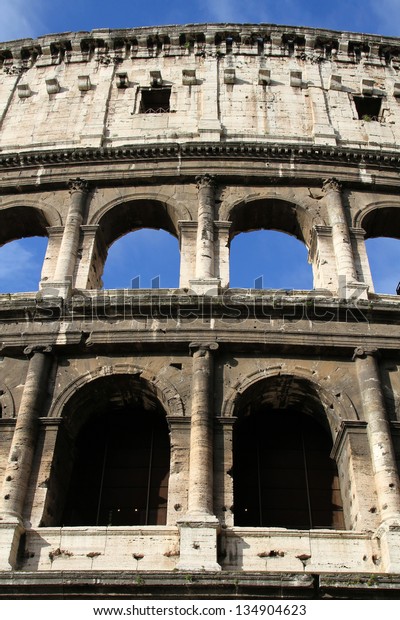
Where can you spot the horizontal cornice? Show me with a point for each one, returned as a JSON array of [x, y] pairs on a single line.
[[231, 150]]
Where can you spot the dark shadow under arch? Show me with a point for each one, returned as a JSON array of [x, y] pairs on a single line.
[[21, 221], [136, 214], [382, 222], [121, 470], [282, 471], [111, 460], [271, 214]]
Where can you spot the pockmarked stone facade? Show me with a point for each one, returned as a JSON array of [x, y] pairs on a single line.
[[204, 440]]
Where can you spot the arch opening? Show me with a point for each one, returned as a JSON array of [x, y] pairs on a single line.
[[144, 258], [383, 257], [23, 241], [117, 444], [382, 234], [269, 259], [133, 240], [273, 256], [283, 475]]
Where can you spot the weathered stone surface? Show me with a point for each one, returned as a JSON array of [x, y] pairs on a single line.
[[220, 146]]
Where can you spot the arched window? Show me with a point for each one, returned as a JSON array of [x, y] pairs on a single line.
[[283, 475], [269, 259], [121, 469], [143, 259], [21, 263]]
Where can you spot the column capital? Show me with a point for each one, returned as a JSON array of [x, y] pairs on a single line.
[[37, 348], [205, 180], [78, 185], [363, 352], [202, 347], [331, 185]]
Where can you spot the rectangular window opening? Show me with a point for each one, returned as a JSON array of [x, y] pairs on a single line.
[[155, 100], [368, 108]]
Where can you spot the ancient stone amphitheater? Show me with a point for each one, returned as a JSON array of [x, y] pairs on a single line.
[[201, 441]]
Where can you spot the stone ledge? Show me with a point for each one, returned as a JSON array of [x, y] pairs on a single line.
[[232, 585]]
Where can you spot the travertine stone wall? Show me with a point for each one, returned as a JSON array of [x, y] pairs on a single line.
[[262, 132], [228, 82]]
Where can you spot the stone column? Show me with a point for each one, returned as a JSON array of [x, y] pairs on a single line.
[[380, 440], [201, 431], [205, 228], [345, 264], [383, 457], [66, 262], [198, 529], [18, 470], [205, 281]]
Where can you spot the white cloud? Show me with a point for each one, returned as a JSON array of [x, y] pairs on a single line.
[[21, 19], [20, 264], [237, 11]]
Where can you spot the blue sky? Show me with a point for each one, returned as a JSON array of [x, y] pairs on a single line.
[[253, 255]]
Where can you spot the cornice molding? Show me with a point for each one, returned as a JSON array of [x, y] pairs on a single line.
[[201, 150], [115, 45]]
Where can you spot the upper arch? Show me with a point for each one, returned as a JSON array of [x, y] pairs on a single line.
[[379, 219], [160, 388], [139, 210], [271, 211], [305, 389], [26, 218]]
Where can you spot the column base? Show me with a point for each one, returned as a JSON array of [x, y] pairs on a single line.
[[56, 289], [352, 290], [198, 543], [204, 286], [388, 535], [10, 536]]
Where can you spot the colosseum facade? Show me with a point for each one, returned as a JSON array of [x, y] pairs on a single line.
[[202, 440]]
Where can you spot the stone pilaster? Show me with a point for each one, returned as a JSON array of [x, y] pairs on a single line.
[[345, 264], [205, 281], [198, 529], [18, 470], [322, 127], [222, 252], [66, 262], [187, 242]]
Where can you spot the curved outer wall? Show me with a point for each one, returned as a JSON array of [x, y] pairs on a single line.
[[205, 131]]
